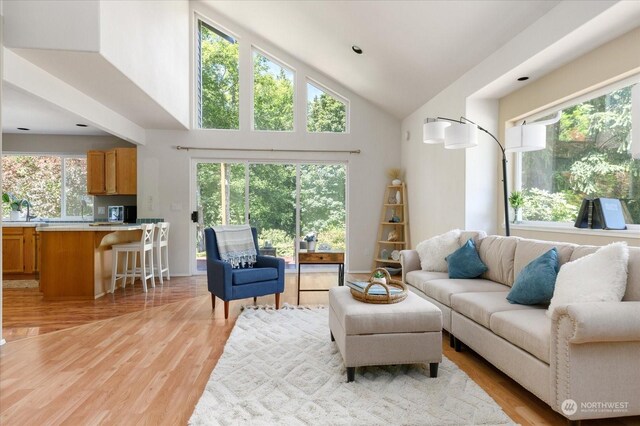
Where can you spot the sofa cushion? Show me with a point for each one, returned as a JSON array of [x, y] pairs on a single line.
[[633, 269], [535, 283], [528, 250], [475, 235], [433, 251], [441, 290], [465, 262], [598, 277], [253, 275], [419, 278], [481, 306], [497, 253], [530, 330]]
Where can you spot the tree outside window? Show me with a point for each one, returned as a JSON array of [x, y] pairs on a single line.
[[272, 95], [41, 179], [588, 155], [218, 94], [325, 113]]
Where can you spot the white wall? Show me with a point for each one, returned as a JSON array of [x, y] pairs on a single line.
[[164, 172], [148, 41], [64, 25]]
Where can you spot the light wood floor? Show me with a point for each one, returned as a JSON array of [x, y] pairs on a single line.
[[138, 358]]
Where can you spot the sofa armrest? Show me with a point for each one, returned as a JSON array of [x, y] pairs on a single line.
[[594, 357], [267, 262], [219, 278], [602, 321], [409, 261]]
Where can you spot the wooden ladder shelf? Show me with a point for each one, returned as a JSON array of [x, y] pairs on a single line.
[[393, 219]]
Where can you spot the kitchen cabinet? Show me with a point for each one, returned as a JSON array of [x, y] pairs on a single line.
[[19, 251], [112, 172], [95, 173]]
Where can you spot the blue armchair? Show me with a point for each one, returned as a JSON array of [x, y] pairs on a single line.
[[266, 276]]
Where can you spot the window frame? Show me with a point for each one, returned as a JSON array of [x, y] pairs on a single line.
[[272, 58], [225, 33], [340, 98], [563, 104], [63, 197]]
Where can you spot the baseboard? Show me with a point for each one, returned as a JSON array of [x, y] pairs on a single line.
[[359, 272]]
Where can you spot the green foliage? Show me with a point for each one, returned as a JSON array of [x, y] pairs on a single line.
[[326, 114], [38, 178], [587, 155], [279, 239], [272, 95], [516, 200], [219, 86], [594, 174], [15, 204], [542, 205]]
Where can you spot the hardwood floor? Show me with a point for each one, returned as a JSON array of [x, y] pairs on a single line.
[[136, 358]]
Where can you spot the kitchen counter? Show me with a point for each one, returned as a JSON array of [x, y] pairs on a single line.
[[49, 227], [7, 224], [76, 258]]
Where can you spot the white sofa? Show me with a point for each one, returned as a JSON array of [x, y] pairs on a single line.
[[588, 353]]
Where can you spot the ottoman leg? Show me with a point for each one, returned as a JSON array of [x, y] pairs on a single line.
[[351, 374], [451, 340], [433, 369], [333, 339]]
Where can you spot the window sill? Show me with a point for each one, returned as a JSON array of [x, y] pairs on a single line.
[[568, 229]]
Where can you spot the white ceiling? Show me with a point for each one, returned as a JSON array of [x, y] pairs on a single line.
[[412, 49], [20, 109]]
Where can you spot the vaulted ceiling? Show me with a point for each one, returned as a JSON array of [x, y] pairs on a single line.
[[412, 49]]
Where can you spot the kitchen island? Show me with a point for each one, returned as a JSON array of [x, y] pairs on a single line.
[[76, 259]]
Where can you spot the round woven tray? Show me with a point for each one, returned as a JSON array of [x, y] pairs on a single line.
[[382, 298]]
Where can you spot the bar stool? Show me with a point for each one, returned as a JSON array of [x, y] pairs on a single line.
[[144, 247], [161, 249]]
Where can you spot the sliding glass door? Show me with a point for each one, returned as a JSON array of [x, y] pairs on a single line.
[[283, 201]]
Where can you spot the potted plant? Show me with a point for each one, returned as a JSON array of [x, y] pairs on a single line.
[[311, 239], [16, 205], [378, 277], [395, 175], [516, 200]]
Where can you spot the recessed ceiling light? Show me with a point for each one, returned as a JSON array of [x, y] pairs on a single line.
[[356, 49], [523, 78], [23, 128], [81, 125]]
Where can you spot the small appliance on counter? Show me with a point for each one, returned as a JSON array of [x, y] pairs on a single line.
[[122, 214]]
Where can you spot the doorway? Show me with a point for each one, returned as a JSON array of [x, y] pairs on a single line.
[[284, 201]]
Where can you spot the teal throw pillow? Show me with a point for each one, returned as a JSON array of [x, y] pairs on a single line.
[[536, 281], [465, 262]]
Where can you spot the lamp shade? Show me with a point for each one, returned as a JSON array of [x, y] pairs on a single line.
[[528, 137], [461, 135], [433, 131]]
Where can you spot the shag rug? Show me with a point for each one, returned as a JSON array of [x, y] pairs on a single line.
[[279, 367]]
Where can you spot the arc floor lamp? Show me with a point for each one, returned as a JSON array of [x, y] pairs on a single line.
[[463, 133]]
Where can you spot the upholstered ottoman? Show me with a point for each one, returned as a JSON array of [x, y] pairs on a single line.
[[408, 332]]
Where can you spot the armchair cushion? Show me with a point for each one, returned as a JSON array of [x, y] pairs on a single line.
[[253, 275]]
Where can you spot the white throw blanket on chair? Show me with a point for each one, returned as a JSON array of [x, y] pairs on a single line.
[[236, 246]]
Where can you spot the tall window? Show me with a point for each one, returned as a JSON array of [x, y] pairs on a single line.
[[218, 94], [325, 112], [588, 154], [55, 186], [272, 95]]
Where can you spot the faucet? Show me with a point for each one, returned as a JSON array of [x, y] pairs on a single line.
[[28, 203]]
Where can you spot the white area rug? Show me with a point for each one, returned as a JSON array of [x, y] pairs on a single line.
[[281, 368], [20, 284]]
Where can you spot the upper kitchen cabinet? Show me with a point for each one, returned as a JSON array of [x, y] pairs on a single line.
[[112, 172]]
